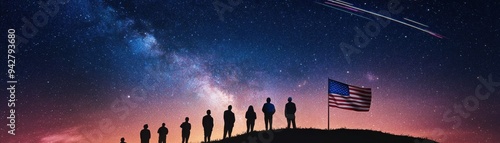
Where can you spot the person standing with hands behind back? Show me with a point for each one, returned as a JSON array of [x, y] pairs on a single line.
[[145, 134], [162, 133], [290, 113], [250, 116], [228, 121], [268, 110], [186, 130], [208, 125]]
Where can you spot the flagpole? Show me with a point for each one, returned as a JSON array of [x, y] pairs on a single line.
[[328, 116], [328, 104]]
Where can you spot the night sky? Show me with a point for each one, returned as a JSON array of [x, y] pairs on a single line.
[[99, 70]]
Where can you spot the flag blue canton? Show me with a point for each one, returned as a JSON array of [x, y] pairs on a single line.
[[336, 87]]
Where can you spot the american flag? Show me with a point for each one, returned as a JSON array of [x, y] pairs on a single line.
[[348, 97]]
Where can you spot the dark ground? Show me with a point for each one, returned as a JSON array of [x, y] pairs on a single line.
[[322, 136]]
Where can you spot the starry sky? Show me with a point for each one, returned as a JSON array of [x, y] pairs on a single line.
[[99, 70]]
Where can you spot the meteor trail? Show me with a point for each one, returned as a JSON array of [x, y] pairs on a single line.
[[348, 6], [344, 11], [342, 6], [344, 2], [415, 22]]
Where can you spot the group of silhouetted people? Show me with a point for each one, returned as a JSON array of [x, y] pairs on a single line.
[[208, 122]]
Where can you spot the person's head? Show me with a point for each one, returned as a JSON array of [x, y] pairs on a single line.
[[122, 139], [229, 107], [145, 126], [289, 99], [268, 100], [208, 112], [163, 124], [187, 119], [250, 108]]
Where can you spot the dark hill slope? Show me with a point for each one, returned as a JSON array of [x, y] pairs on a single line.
[[322, 136]]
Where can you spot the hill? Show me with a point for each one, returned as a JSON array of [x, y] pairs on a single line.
[[322, 136]]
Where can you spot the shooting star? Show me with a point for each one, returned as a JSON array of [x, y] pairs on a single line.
[[342, 6], [349, 6], [344, 2], [415, 22], [344, 11]]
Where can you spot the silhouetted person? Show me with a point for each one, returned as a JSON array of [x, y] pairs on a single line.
[[122, 140], [268, 110], [228, 121], [250, 116], [186, 129], [290, 113], [162, 133], [208, 125], [145, 134]]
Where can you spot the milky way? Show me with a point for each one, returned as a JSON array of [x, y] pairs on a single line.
[[100, 70]]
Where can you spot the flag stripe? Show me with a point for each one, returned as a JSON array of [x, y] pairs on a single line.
[[352, 103], [359, 94], [358, 89], [348, 108], [349, 97], [350, 100]]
